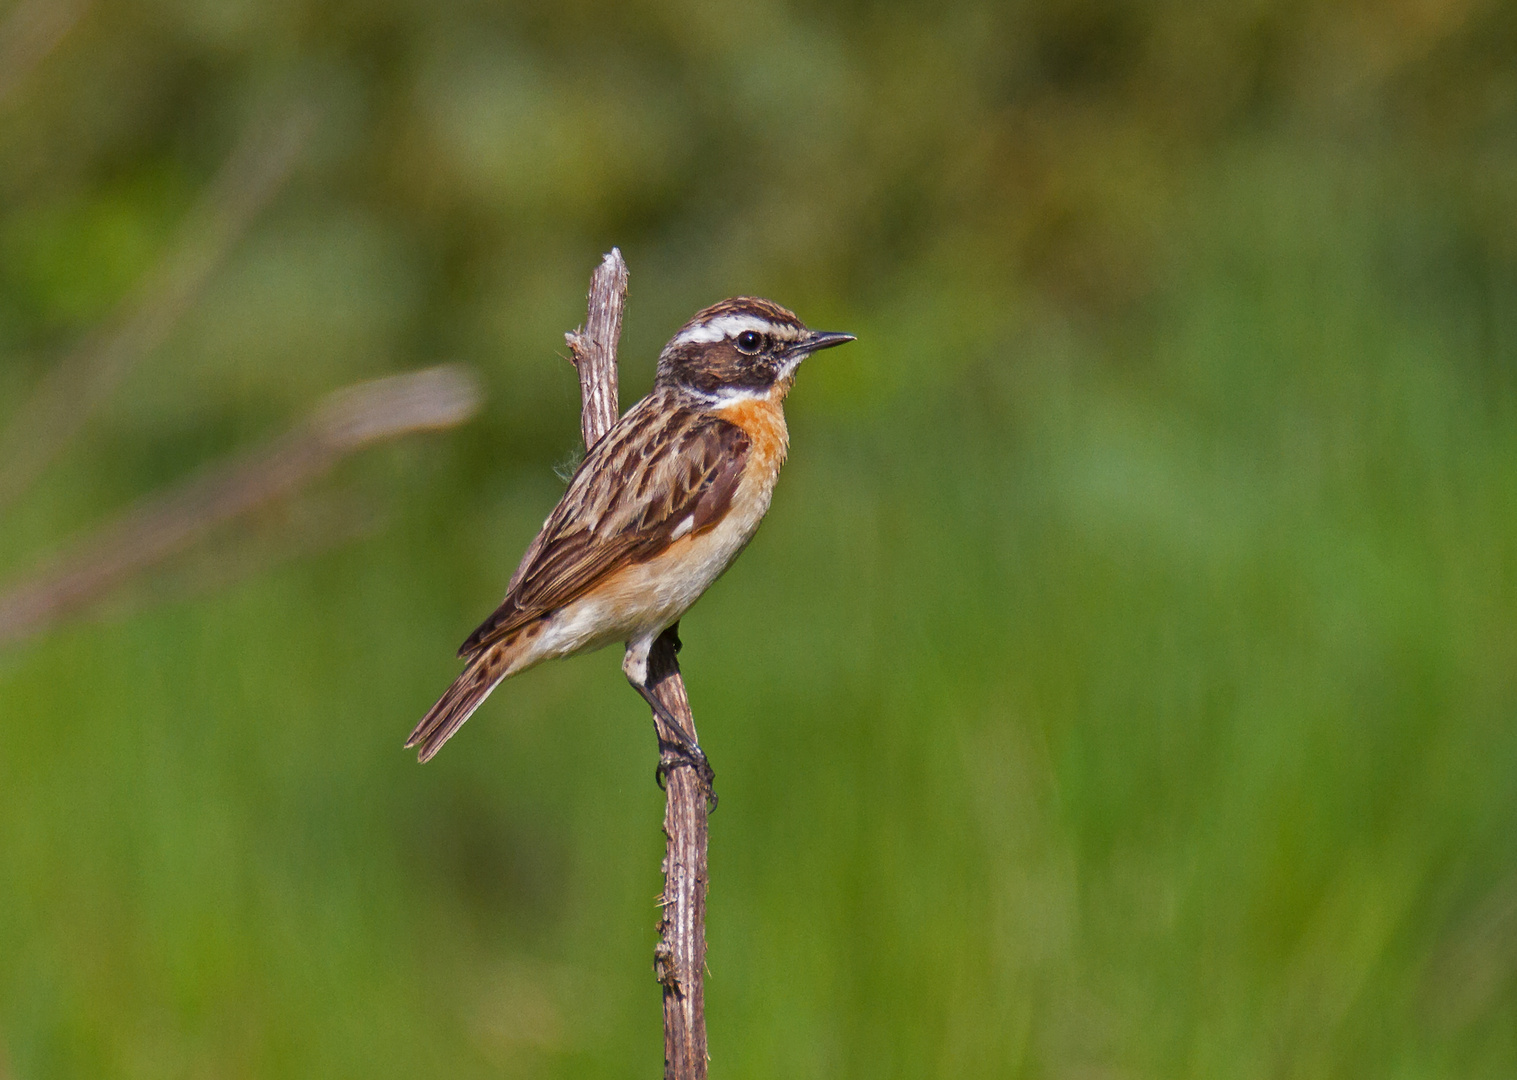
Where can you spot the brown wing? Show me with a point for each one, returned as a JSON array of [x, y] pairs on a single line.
[[660, 465]]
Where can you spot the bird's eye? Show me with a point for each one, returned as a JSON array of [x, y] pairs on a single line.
[[750, 342]]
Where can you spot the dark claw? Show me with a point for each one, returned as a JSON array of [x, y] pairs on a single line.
[[673, 755]]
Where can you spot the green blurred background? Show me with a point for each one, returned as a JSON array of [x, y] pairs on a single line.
[[1124, 684]]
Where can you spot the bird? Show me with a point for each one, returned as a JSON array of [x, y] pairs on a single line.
[[658, 509]]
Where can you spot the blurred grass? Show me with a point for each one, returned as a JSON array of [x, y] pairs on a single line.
[[1122, 686]]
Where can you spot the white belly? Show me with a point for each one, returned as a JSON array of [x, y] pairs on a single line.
[[644, 598]]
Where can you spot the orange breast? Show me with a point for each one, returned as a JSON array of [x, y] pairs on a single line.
[[650, 595], [764, 421]]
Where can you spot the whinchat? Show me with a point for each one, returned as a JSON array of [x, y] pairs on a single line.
[[657, 510]]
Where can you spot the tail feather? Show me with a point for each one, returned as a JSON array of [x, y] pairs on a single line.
[[467, 693]]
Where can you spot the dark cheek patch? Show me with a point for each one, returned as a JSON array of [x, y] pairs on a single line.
[[741, 370], [709, 368]]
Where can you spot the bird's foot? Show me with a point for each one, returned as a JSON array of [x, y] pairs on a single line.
[[675, 755]]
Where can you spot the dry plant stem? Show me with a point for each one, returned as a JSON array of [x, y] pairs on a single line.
[[28, 33], [594, 348], [45, 423], [166, 524], [679, 960]]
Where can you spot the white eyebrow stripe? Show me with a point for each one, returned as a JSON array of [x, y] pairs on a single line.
[[726, 326]]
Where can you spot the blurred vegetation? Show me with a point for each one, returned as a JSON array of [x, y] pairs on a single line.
[[1125, 682]]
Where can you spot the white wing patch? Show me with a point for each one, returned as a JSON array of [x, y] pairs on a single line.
[[683, 527]]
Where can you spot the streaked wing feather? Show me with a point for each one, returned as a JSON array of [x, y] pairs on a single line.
[[658, 466]]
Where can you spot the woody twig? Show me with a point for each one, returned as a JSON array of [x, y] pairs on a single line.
[[171, 522], [679, 960], [87, 376]]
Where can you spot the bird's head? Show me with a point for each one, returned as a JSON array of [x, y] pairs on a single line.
[[740, 347]]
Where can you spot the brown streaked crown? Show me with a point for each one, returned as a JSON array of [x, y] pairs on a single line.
[[743, 343]]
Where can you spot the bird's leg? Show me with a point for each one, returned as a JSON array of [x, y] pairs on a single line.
[[682, 749]]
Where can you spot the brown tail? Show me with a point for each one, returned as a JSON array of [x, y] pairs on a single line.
[[467, 693]]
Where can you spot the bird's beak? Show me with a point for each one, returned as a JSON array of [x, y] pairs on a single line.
[[817, 340]]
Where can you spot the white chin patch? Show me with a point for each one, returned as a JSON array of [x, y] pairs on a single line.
[[726, 326], [787, 369]]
